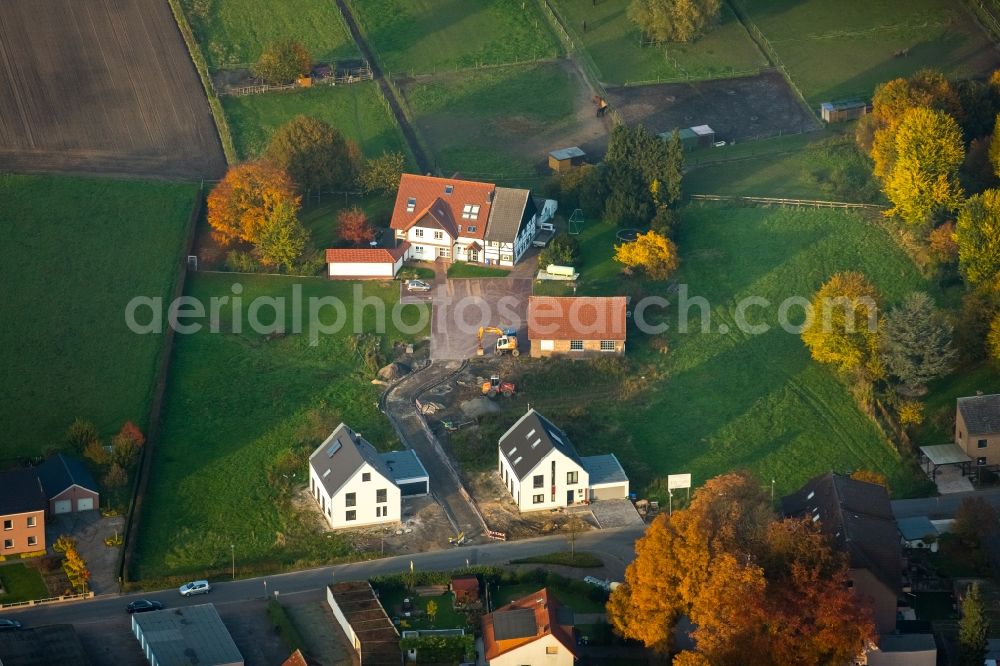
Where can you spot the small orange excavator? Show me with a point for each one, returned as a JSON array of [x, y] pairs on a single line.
[[495, 386], [506, 342]]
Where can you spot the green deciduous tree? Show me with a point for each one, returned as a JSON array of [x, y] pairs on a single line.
[[842, 325], [382, 173], [973, 629], [916, 342], [283, 239], [283, 61], [674, 20], [313, 153], [922, 176], [80, 434], [564, 250], [978, 235]]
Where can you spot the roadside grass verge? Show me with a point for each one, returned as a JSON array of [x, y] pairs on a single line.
[[721, 399], [74, 252], [431, 36], [580, 560], [844, 49], [613, 42], [243, 411], [490, 124], [234, 32], [284, 627], [21, 583], [355, 110]]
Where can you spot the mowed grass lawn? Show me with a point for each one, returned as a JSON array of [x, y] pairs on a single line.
[[493, 123], [355, 110], [234, 404], [728, 399], [21, 583], [842, 49], [236, 31], [73, 253], [614, 43], [429, 36]]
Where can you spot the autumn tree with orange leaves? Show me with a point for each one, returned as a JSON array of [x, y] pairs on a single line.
[[353, 226], [241, 205], [758, 589]]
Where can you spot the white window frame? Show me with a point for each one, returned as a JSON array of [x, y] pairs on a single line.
[[538, 499], [547, 345], [470, 212], [411, 204], [32, 540], [576, 345], [438, 235], [8, 544], [444, 252], [608, 346], [31, 521], [419, 233], [351, 515], [8, 524]]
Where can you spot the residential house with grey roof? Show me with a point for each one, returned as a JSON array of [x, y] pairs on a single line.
[[542, 470], [858, 517], [355, 486], [512, 226], [185, 636], [977, 428]]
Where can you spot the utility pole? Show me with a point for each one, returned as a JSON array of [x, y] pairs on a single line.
[[232, 547], [772, 491], [670, 502]]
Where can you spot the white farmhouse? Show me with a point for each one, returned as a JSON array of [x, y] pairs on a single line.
[[541, 469], [355, 486]]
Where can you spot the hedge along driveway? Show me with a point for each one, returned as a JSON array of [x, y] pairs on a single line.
[[234, 404]]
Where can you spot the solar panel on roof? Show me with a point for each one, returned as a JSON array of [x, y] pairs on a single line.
[[333, 448], [530, 433]]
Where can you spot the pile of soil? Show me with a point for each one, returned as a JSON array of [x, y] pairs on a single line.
[[393, 371]]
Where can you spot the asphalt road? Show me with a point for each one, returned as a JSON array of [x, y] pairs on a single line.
[[615, 547]]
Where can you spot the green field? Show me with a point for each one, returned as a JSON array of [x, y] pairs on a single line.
[[835, 50], [428, 36], [723, 399], [234, 404], [493, 123], [356, 110], [22, 583], [74, 252], [613, 42], [233, 32]]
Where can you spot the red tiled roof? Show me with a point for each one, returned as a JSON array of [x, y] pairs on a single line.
[[376, 255], [429, 190], [546, 609], [576, 318], [296, 659]]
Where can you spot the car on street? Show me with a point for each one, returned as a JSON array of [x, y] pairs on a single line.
[[9, 624], [144, 606], [417, 285], [195, 587]]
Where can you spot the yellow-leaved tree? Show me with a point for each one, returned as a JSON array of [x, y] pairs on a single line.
[[652, 252], [842, 326], [242, 203], [922, 178], [978, 235]]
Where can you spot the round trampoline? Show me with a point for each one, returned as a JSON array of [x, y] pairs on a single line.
[[627, 235]]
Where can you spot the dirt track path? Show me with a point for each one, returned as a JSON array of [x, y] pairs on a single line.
[[423, 164]]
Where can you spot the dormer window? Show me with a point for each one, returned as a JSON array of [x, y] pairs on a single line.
[[470, 212], [448, 189], [411, 204]]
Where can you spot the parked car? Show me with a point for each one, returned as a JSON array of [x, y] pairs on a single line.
[[9, 624], [195, 587], [144, 606], [417, 285]]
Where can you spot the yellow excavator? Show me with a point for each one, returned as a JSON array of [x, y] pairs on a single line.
[[506, 342]]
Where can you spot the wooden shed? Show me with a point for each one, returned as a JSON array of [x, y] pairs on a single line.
[[838, 112], [565, 159]]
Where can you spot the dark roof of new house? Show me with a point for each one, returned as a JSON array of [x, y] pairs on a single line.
[[511, 208], [60, 472], [341, 455], [187, 635], [42, 646], [404, 466], [981, 413], [531, 439], [858, 515], [21, 492], [576, 317], [524, 621], [603, 469]]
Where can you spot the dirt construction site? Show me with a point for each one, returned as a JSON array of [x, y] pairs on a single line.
[[102, 86], [739, 110]]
